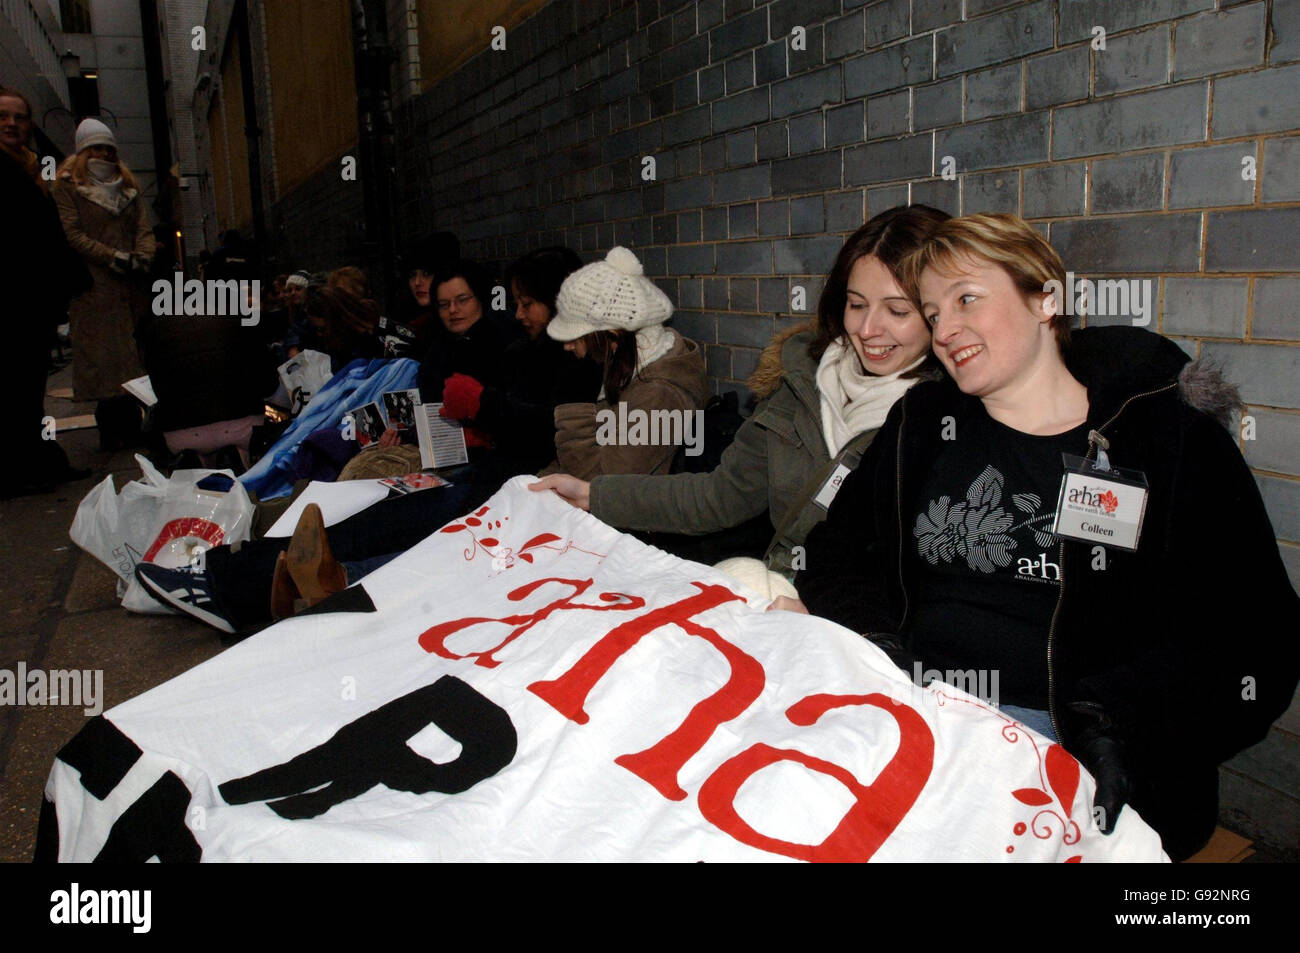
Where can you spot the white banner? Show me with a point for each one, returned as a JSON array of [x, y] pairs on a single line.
[[530, 684]]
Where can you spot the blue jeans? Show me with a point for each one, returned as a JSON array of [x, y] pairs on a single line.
[[1034, 718]]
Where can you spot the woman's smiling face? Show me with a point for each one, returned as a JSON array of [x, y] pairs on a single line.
[[988, 335], [882, 325]]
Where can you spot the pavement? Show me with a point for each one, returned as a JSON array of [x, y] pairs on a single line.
[[59, 610]]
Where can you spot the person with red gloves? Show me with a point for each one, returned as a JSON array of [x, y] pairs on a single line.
[[517, 417], [465, 341], [460, 401]]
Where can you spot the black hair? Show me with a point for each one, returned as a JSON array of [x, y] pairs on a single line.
[[540, 273], [431, 254], [475, 275]]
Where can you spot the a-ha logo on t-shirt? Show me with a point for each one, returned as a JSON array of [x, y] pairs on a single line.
[[1040, 568]]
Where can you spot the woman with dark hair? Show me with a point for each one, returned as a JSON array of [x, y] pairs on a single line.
[[825, 388], [464, 341], [407, 335], [611, 314], [538, 373], [1059, 512]]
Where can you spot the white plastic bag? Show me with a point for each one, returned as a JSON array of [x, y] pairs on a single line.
[[302, 376], [155, 519]]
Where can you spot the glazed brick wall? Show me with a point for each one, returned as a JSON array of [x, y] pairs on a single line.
[[1129, 158]]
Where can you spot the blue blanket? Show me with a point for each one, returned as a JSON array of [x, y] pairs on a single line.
[[356, 384]]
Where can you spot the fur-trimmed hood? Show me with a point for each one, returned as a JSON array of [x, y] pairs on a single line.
[[1116, 363], [773, 362]]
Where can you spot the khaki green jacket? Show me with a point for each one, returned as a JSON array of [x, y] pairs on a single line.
[[775, 454]]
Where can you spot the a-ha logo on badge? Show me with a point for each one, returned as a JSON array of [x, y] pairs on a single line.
[[1103, 499]]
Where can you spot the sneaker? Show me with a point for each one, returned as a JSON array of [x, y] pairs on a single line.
[[188, 589]]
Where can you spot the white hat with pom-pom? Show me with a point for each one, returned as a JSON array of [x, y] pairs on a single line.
[[609, 295]]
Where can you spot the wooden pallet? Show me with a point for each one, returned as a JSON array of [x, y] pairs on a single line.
[[1224, 847], [79, 422]]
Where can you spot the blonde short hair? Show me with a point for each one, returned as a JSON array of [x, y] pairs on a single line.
[[1005, 240]]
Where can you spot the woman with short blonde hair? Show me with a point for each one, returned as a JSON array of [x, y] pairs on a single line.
[[1063, 518]]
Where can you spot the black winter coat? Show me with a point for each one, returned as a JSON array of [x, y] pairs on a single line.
[[40, 272], [204, 369], [520, 412], [1189, 642], [479, 352]]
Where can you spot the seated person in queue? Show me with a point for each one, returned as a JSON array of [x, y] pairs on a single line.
[[1152, 651]]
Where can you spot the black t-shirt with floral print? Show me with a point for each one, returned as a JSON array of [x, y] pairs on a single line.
[[986, 557]]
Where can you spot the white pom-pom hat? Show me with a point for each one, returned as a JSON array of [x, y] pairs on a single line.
[[609, 295]]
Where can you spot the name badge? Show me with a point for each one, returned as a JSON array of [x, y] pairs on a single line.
[[826, 495], [1101, 505]]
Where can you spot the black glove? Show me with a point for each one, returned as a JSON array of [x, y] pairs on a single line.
[[1100, 750], [140, 264], [121, 263]]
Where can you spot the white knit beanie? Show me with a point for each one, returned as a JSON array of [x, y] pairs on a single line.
[[92, 132], [609, 295]]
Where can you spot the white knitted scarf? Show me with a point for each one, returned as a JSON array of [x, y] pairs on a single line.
[[107, 188], [853, 401], [653, 343]]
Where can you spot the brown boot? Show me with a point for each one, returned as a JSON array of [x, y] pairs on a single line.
[[312, 567], [286, 600]]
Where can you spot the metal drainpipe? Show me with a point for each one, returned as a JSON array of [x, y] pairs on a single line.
[[372, 58], [252, 132]]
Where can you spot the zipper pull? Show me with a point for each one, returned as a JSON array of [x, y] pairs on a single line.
[[1096, 440]]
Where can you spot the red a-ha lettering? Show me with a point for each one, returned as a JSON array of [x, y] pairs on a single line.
[[435, 639], [658, 765], [878, 807]]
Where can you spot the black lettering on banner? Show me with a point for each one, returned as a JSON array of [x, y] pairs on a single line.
[[47, 835], [101, 754], [373, 750], [153, 826]]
